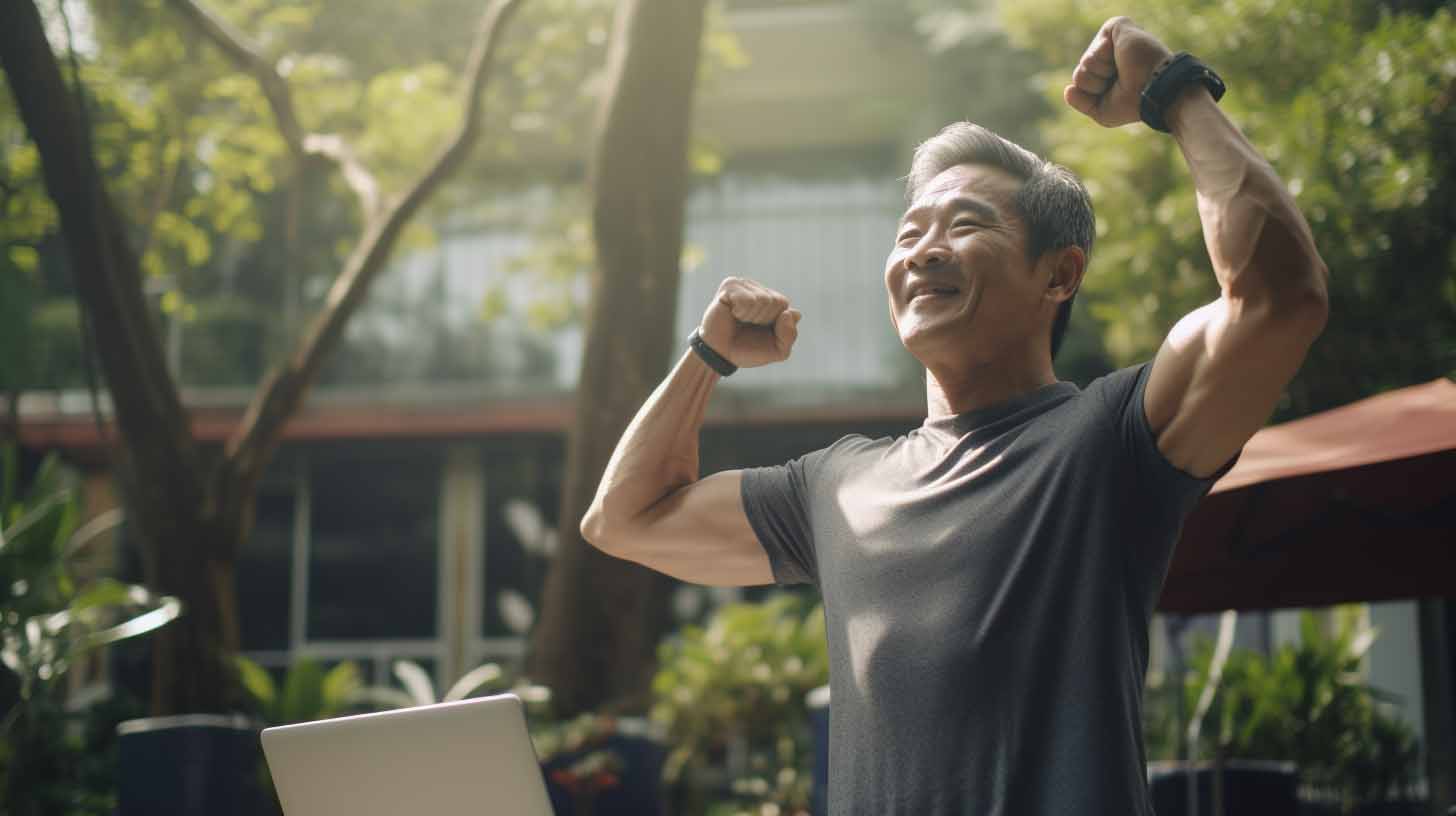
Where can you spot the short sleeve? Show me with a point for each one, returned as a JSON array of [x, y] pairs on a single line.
[[1123, 391], [776, 500], [1163, 495]]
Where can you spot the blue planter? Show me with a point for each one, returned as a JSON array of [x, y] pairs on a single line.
[[1250, 788], [818, 704], [189, 765], [639, 792]]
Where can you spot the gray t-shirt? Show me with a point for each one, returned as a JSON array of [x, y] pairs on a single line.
[[988, 580]]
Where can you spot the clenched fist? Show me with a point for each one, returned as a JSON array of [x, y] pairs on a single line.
[[1109, 79], [750, 324]]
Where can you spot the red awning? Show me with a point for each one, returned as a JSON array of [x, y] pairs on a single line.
[[1353, 504]]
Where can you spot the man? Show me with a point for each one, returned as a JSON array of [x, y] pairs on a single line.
[[989, 577]]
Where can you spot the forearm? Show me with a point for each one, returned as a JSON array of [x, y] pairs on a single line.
[[657, 454], [1261, 247]]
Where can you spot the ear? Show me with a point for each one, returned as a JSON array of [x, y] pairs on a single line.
[[1063, 269]]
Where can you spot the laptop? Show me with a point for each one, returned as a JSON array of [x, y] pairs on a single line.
[[467, 757]]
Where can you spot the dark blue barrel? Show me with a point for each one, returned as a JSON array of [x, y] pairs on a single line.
[[189, 765], [818, 703]]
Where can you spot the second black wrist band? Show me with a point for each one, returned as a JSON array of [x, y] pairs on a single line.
[[705, 352]]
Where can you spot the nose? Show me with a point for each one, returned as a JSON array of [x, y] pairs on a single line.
[[929, 252]]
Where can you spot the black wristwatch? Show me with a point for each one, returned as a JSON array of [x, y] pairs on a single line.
[[715, 361], [1169, 80]]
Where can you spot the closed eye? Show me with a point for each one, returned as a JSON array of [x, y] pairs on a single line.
[[908, 235]]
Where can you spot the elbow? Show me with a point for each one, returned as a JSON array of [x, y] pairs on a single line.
[[1299, 309], [597, 531], [593, 528]]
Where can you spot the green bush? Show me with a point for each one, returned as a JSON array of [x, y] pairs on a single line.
[[224, 342], [1308, 703], [58, 358], [53, 757], [736, 688]]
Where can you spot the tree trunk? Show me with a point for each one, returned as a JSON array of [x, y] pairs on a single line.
[[191, 669], [601, 617], [190, 515], [157, 462]]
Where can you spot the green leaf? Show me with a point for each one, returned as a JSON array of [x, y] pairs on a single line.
[[416, 681], [25, 258], [257, 682], [104, 592], [341, 686], [165, 609], [303, 693], [475, 678]]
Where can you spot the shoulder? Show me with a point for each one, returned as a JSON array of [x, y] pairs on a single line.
[[1117, 395], [843, 454], [1119, 386], [851, 448]]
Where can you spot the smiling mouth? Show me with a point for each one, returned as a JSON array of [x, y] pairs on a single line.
[[934, 291]]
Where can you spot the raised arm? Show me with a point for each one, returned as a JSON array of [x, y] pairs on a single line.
[[651, 507], [1222, 369]]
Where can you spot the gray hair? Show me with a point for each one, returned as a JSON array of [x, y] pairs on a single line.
[[1051, 200]]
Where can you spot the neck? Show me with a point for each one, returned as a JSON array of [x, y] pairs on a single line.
[[979, 384]]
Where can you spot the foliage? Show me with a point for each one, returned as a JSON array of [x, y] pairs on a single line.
[[550, 274], [1307, 703], [739, 683], [224, 220], [592, 772], [49, 621], [1355, 106], [589, 765], [419, 689], [309, 692]]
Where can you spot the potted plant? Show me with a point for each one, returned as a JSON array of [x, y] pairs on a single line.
[[1305, 706], [732, 698], [49, 623]]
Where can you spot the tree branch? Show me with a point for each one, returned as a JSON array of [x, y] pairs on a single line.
[[284, 389], [249, 58], [358, 177]]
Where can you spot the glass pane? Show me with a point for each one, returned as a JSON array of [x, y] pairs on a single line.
[[264, 574], [373, 551], [522, 492]]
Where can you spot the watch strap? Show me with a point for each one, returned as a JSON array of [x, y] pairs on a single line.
[[1169, 80], [715, 361]]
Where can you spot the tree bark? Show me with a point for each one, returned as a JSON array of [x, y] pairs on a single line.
[[192, 513], [158, 464], [601, 617]]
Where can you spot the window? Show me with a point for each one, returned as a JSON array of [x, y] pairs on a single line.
[[373, 546], [264, 569], [522, 487]]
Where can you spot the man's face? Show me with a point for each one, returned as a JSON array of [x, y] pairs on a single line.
[[958, 279]]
